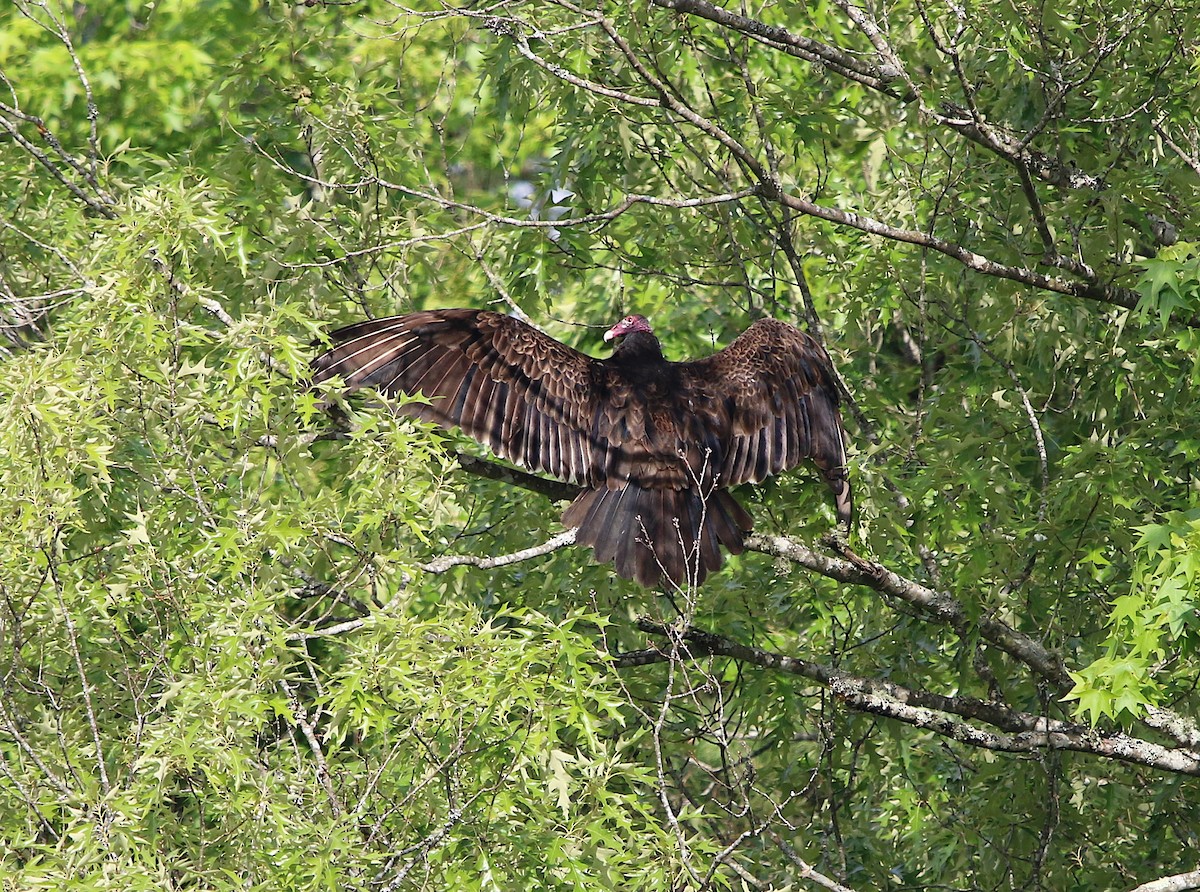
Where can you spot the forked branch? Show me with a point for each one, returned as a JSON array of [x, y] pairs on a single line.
[[952, 717]]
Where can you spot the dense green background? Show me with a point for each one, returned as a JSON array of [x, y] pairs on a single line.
[[228, 656]]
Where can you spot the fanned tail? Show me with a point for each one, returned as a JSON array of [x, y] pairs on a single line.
[[649, 534]]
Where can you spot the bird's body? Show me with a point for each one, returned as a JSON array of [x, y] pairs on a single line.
[[654, 444]]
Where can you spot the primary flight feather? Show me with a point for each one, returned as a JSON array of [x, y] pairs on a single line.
[[654, 444]]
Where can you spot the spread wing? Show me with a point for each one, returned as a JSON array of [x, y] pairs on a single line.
[[528, 397], [773, 392]]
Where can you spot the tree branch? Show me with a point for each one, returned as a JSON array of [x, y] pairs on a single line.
[[84, 684], [1191, 159], [835, 60], [1173, 725], [1091, 290], [807, 871], [852, 568], [444, 563], [555, 490], [1180, 882], [306, 728], [100, 205], [924, 709]]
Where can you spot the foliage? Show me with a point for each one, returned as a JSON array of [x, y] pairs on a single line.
[[249, 643]]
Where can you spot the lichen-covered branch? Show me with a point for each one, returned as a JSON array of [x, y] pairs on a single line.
[[856, 570], [1180, 882], [923, 709], [446, 562]]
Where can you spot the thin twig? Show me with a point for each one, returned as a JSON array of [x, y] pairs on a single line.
[[807, 871], [306, 728]]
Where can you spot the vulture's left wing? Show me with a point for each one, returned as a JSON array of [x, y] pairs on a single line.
[[774, 389], [526, 396]]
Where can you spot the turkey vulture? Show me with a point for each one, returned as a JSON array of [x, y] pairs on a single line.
[[654, 444]]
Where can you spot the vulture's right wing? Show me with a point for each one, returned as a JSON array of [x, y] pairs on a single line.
[[528, 397]]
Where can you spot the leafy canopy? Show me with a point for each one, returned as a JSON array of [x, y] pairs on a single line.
[[250, 644]]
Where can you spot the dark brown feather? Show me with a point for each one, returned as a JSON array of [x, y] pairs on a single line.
[[503, 382], [773, 390], [654, 443]]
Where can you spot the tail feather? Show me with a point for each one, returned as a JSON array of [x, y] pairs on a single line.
[[731, 520], [710, 548], [628, 559], [651, 534]]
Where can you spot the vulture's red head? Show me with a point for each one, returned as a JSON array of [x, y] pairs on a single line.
[[628, 325]]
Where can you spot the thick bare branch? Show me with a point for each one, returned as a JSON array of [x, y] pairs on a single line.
[[1172, 724], [1180, 882], [856, 570], [922, 709], [555, 490]]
